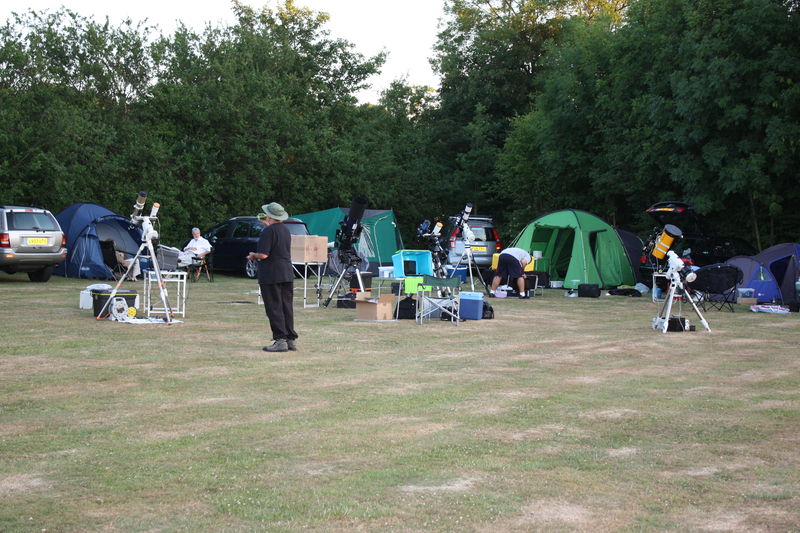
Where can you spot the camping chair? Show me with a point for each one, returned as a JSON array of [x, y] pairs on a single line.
[[430, 299], [716, 285], [202, 265], [110, 259]]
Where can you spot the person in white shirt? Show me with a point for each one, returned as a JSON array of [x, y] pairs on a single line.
[[511, 264], [198, 248]]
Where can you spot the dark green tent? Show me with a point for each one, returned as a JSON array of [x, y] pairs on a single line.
[[577, 247], [380, 238]]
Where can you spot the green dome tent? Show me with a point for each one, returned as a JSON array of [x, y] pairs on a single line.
[[578, 247], [380, 238]]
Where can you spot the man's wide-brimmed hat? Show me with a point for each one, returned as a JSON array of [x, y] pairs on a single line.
[[275, 210]]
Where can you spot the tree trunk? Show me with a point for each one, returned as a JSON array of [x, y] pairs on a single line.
[[754, 220]]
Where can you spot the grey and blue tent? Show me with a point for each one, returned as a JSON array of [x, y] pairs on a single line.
[[772, 273], [85, 225]]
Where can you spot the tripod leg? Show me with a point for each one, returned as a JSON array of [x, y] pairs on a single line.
[[668, 307], [333, 289], [100, 315], [697, 311], [360, 282], [162, 289]]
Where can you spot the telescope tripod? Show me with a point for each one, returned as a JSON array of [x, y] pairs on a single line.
[[147, 245], [675, 283], [335, 287], [470, 266]]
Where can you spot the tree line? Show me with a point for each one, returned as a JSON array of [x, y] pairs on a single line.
[[601, 105]]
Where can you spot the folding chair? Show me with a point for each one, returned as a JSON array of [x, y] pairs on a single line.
[[438, 296], [716, 285], [110, 259], [200, 266]]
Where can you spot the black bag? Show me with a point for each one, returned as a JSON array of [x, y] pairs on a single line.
[[488, 311], [542, 276], [407, 308], [588, 290], [348, 301]]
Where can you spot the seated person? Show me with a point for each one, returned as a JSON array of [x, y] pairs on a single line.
[[511, 264], [123, 260], [197, 248]]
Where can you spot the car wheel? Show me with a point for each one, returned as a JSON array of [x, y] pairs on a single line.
[[41, 275], [251, 269]]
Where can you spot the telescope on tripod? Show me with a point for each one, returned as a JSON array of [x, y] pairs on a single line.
[[433, 236], [676, 276], [462, 225], [149, 234], [346, 238]]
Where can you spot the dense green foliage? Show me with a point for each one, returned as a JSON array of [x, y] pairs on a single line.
[[695, 101], [602, 105]]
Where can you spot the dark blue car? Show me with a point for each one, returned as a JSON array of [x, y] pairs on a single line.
[[234, 239]]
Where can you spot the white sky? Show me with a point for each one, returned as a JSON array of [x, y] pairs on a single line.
[[406, 29]]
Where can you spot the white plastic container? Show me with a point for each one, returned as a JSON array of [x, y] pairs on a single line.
[[85, 301], [386, 272]]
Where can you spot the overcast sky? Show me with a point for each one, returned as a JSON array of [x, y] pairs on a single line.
[[406, 29]]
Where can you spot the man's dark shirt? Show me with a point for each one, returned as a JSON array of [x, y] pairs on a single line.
[[276, 242]]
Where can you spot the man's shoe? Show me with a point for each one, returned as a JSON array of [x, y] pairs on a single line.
[[492, 295], [291, 345], [524, 296], [279, 345]]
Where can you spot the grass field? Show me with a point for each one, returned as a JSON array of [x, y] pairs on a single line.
[[561, 414]]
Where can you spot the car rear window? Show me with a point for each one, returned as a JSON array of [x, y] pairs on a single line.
[[296, 228], [482, 233], [19, 220]]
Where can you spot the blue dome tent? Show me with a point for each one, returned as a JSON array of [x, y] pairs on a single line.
[[85, 225], [772, 273]]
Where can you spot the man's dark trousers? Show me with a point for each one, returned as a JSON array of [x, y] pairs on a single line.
[[278, 304]]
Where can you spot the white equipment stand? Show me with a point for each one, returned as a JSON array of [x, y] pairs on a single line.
[[676, 283], [178, 279], [312, 271]]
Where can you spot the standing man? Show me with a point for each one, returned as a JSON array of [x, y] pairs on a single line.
[[275, 276], [511, 264]]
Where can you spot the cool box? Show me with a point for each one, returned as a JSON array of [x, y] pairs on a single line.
[[471, 306]]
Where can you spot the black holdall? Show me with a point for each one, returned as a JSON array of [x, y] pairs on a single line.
[[407, 308], [588, 290], [488, 311]]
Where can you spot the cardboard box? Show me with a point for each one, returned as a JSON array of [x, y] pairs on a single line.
[[363, 296], [746, 301], [309, 249], [376, 309]]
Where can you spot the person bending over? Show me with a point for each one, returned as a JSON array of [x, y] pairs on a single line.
[[511, 264]]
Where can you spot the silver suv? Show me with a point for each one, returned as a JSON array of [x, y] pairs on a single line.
[[486, 242], [30, 241]]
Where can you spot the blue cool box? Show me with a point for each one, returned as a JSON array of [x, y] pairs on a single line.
[[422, 259], [453, 272], [471, 307]]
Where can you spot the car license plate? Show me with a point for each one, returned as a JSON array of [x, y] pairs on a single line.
[[478, 248], [37, 240]]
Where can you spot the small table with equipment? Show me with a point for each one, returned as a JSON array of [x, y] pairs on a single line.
[[313, 271]]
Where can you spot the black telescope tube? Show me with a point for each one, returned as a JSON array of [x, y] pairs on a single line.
[[357, 209]]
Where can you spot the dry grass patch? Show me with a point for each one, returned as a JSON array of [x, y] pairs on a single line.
[[560, 415]]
